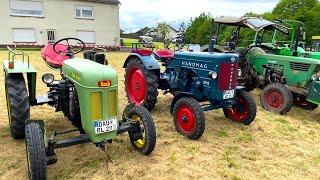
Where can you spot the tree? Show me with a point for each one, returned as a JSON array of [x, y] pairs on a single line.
[[198, 30], [163, 31]]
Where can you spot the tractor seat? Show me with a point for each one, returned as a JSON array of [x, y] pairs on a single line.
[[52, 58], [164, 54], [95, 56]]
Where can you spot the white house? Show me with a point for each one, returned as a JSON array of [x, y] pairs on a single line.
[[37, 22]]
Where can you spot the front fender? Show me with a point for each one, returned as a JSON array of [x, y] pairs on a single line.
[[314, 92], [149, 62]]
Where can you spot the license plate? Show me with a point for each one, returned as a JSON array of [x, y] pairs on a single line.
[[228, 94], [105, 126]]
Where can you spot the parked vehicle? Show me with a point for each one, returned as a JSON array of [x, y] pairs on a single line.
[[316, 43], [86, 93], [285, 76], [194, 78]]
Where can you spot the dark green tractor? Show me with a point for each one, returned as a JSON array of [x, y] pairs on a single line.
[[285, 76]]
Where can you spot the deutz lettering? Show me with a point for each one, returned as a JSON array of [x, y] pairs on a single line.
[[195, 65]]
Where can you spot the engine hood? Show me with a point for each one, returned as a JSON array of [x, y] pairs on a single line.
[[87, 73]]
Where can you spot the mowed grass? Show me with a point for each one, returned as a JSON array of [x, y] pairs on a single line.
[[272, 147]]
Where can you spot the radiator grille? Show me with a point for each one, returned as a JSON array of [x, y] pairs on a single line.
[[228, 76], [299, 66], [112, 103], [96, 105]]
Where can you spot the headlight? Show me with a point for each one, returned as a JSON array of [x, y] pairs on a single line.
[[213, 74], [315, 77], [239, 72], [48, 78]]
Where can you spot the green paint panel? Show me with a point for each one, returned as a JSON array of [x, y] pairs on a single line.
[[19, 67], [86, 74], [314, 93], [297, 70]]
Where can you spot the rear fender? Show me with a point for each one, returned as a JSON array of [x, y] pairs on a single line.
[[21, 67], [149, 62], [314, 93]]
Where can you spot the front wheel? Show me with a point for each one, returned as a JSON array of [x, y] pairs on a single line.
[[276, 98], [143, 133], [35, 152], [189, 118], [245, 109]]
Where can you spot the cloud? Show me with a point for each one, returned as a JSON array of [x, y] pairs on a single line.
[[135, 14]]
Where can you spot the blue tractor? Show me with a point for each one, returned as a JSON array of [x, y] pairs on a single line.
[[199, 81]]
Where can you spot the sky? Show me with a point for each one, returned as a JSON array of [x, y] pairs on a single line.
[[137, 14]]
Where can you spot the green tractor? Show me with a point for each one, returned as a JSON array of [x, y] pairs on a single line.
[[291, 44], [86, 93], [285, 78]]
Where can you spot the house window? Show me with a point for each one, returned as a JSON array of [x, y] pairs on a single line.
[[85, 12], [86, 36], [26, 8], [23, 35], [51, 36]]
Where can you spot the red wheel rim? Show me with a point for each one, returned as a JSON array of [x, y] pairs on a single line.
[[185, 118], [274, 99], [240, 112], [136, 86]]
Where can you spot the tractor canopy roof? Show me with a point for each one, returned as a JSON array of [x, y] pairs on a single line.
[[255, 23], [315, 37]]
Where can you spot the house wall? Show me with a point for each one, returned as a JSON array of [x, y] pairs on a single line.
[[60, 15]]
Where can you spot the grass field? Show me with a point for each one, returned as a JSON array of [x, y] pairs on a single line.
[[127, 43], [272, 147]]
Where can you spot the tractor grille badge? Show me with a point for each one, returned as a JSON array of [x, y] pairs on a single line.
[[228, 76]]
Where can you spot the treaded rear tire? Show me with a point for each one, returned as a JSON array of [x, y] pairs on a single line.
[[148, 128], [151, 81], [17, 104], [35, 152], [193, 107], [284, 92]]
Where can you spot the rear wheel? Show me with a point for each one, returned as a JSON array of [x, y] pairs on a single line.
[[276, 98], [17, 104], [143, 134], [244, 111], [141, 84], [35, 152], [189, 118]]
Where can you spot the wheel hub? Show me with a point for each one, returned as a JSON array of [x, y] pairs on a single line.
[[186, 118], [275, 99], [240, 112], [136, 86]]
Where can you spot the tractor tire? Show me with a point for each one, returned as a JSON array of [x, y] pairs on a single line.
[[276, 98], [17, 104], [301, 102], [245, 110], [142, 137], [35, 152], [74, 114], [189, 118], [141, 85]]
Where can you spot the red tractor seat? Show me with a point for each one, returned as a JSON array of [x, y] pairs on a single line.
[[164, 54], [51, 57], [142, 52]]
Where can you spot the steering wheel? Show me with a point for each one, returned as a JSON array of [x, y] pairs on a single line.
[[178, 42], [69, 51]]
